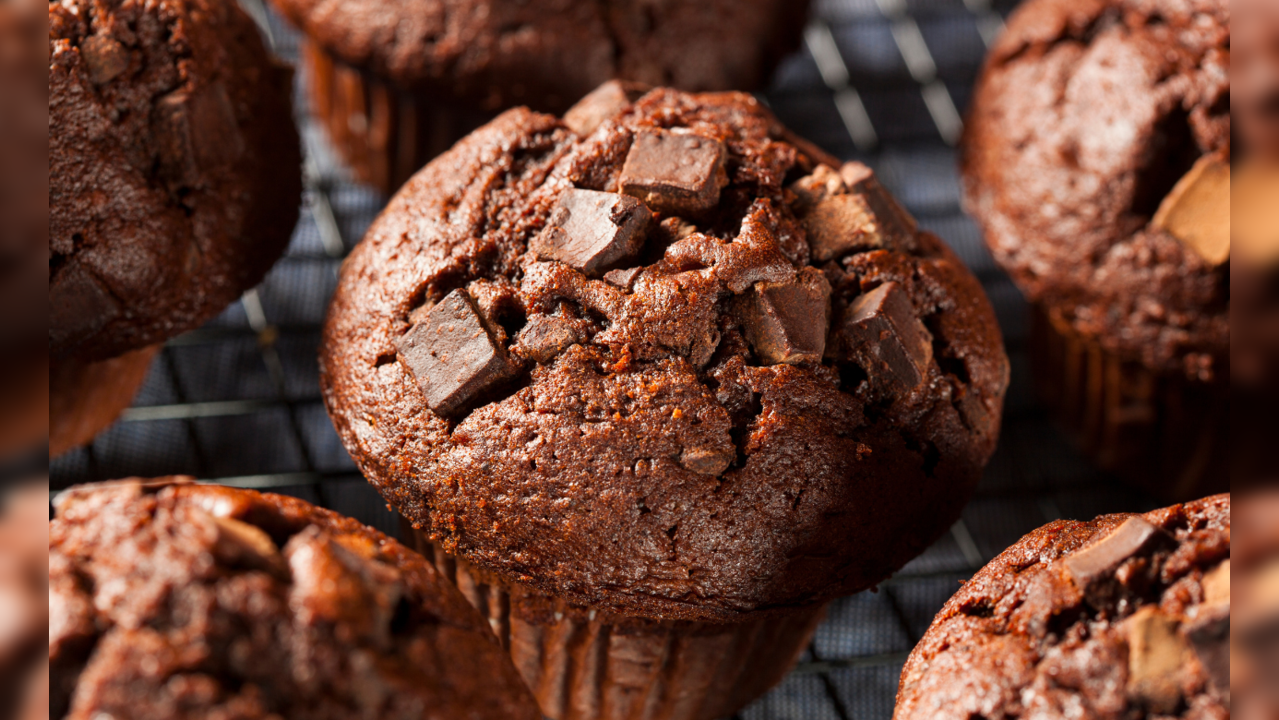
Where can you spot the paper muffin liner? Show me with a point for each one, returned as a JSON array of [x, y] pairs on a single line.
[[84, 398], [384, 132], [582, 664], [1159, 431]]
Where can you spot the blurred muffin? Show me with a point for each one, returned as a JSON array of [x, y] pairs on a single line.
[[660, 372], [1254, 639], [397, 83], [175, 600], [1127, 616], [175, 176], [23, 612], [1096, 159]]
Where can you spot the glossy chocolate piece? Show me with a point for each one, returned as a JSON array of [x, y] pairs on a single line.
[[606, 101], [591, 230], [1197, 211], [786, 322], [453, 354], [674, 172], [852, 213], [881, 333], [1093, 567]]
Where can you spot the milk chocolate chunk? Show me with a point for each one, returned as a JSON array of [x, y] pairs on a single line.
[[706, 461], [786, 322], [1197, 211], [864, 216], [1093, 568], [1209, 636], [453, 354], [249, 545], [1156, 652], [544, 337], [105, 57], [881, 333], [674, 172], [604, 102], [591, 230], [624, 279], [1216, 584]]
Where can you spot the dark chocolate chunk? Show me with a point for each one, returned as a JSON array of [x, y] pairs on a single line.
[[591, 230], [707, 461], [197, 129], [674, 172], [850, 212], [80, 305], [625, 279], [881, 333], [104, 57], [546, 336], [786, 322], [1209, 636], [606, 101], [453, 354], [1093, 568]]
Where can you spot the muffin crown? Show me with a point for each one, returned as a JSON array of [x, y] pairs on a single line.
[[669, 363]]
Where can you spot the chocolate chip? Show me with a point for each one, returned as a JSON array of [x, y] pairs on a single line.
[[604, 102], [863, 216], [544, 337], [786, 322], [1216, 584], [104, 57], [1197, 211], [1209, 636], [241, 543], [1156, 653], [591, 230], [625, 279], [674, 172], [453, 354], [706, 461], [1093, 568], [79, 305], [881, 333], [196, 130]]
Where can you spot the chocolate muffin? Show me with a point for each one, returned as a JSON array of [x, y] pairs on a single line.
[[170, 599], [23, 558], [667, 364], [397, 83], [175, 170], [1096, 159], [1254, 662], [1127, 616]]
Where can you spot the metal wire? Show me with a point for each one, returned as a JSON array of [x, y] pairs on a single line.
[[881, 80]]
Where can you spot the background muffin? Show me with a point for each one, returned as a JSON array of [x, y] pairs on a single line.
[[398, 83], [1125, 616], [1096, 160], [174, 171], [741, 386], [177, 600]]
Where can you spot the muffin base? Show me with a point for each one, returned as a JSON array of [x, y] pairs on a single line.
[[582, 664], [384, 132], [84, 398], [1161, 432]]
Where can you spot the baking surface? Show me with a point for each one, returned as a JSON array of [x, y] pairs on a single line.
[[884, 82]]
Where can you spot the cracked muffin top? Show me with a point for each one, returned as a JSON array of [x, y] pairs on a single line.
[[1096, 158], [174, 168], [174, 600], [663, 358], [548, 53], [1126, 616]]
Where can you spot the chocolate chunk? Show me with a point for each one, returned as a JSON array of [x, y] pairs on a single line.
[[80, 305], [1197, 211], [1209, 636], [674, 229], [544, 337], [591, 230], [1093, 568], [625, 279], [453, 354], [674, 172], [197, 130], [1156, 652], [1216, 584], [706, 461], [104, 57], [245, 544], [604, 102], [880, 333], [332, 584], [786, 322], [861, 216]]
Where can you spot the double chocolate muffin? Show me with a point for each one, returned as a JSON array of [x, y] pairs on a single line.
[[174, 600], [1096, 159], [175, 174], [24, 513], [662, 362], [1127, 616], [397, 83]]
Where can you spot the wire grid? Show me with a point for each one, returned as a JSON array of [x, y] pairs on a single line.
[[881, 81]]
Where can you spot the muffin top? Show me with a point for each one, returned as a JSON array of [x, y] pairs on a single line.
[[203, 601], [1127, 616], [548, 53], [1096, 160], [663, 359], [175, 168]]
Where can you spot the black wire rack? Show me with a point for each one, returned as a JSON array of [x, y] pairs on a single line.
[[882, 81]]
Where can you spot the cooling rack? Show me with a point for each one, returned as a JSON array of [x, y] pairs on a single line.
[[881, 81]]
